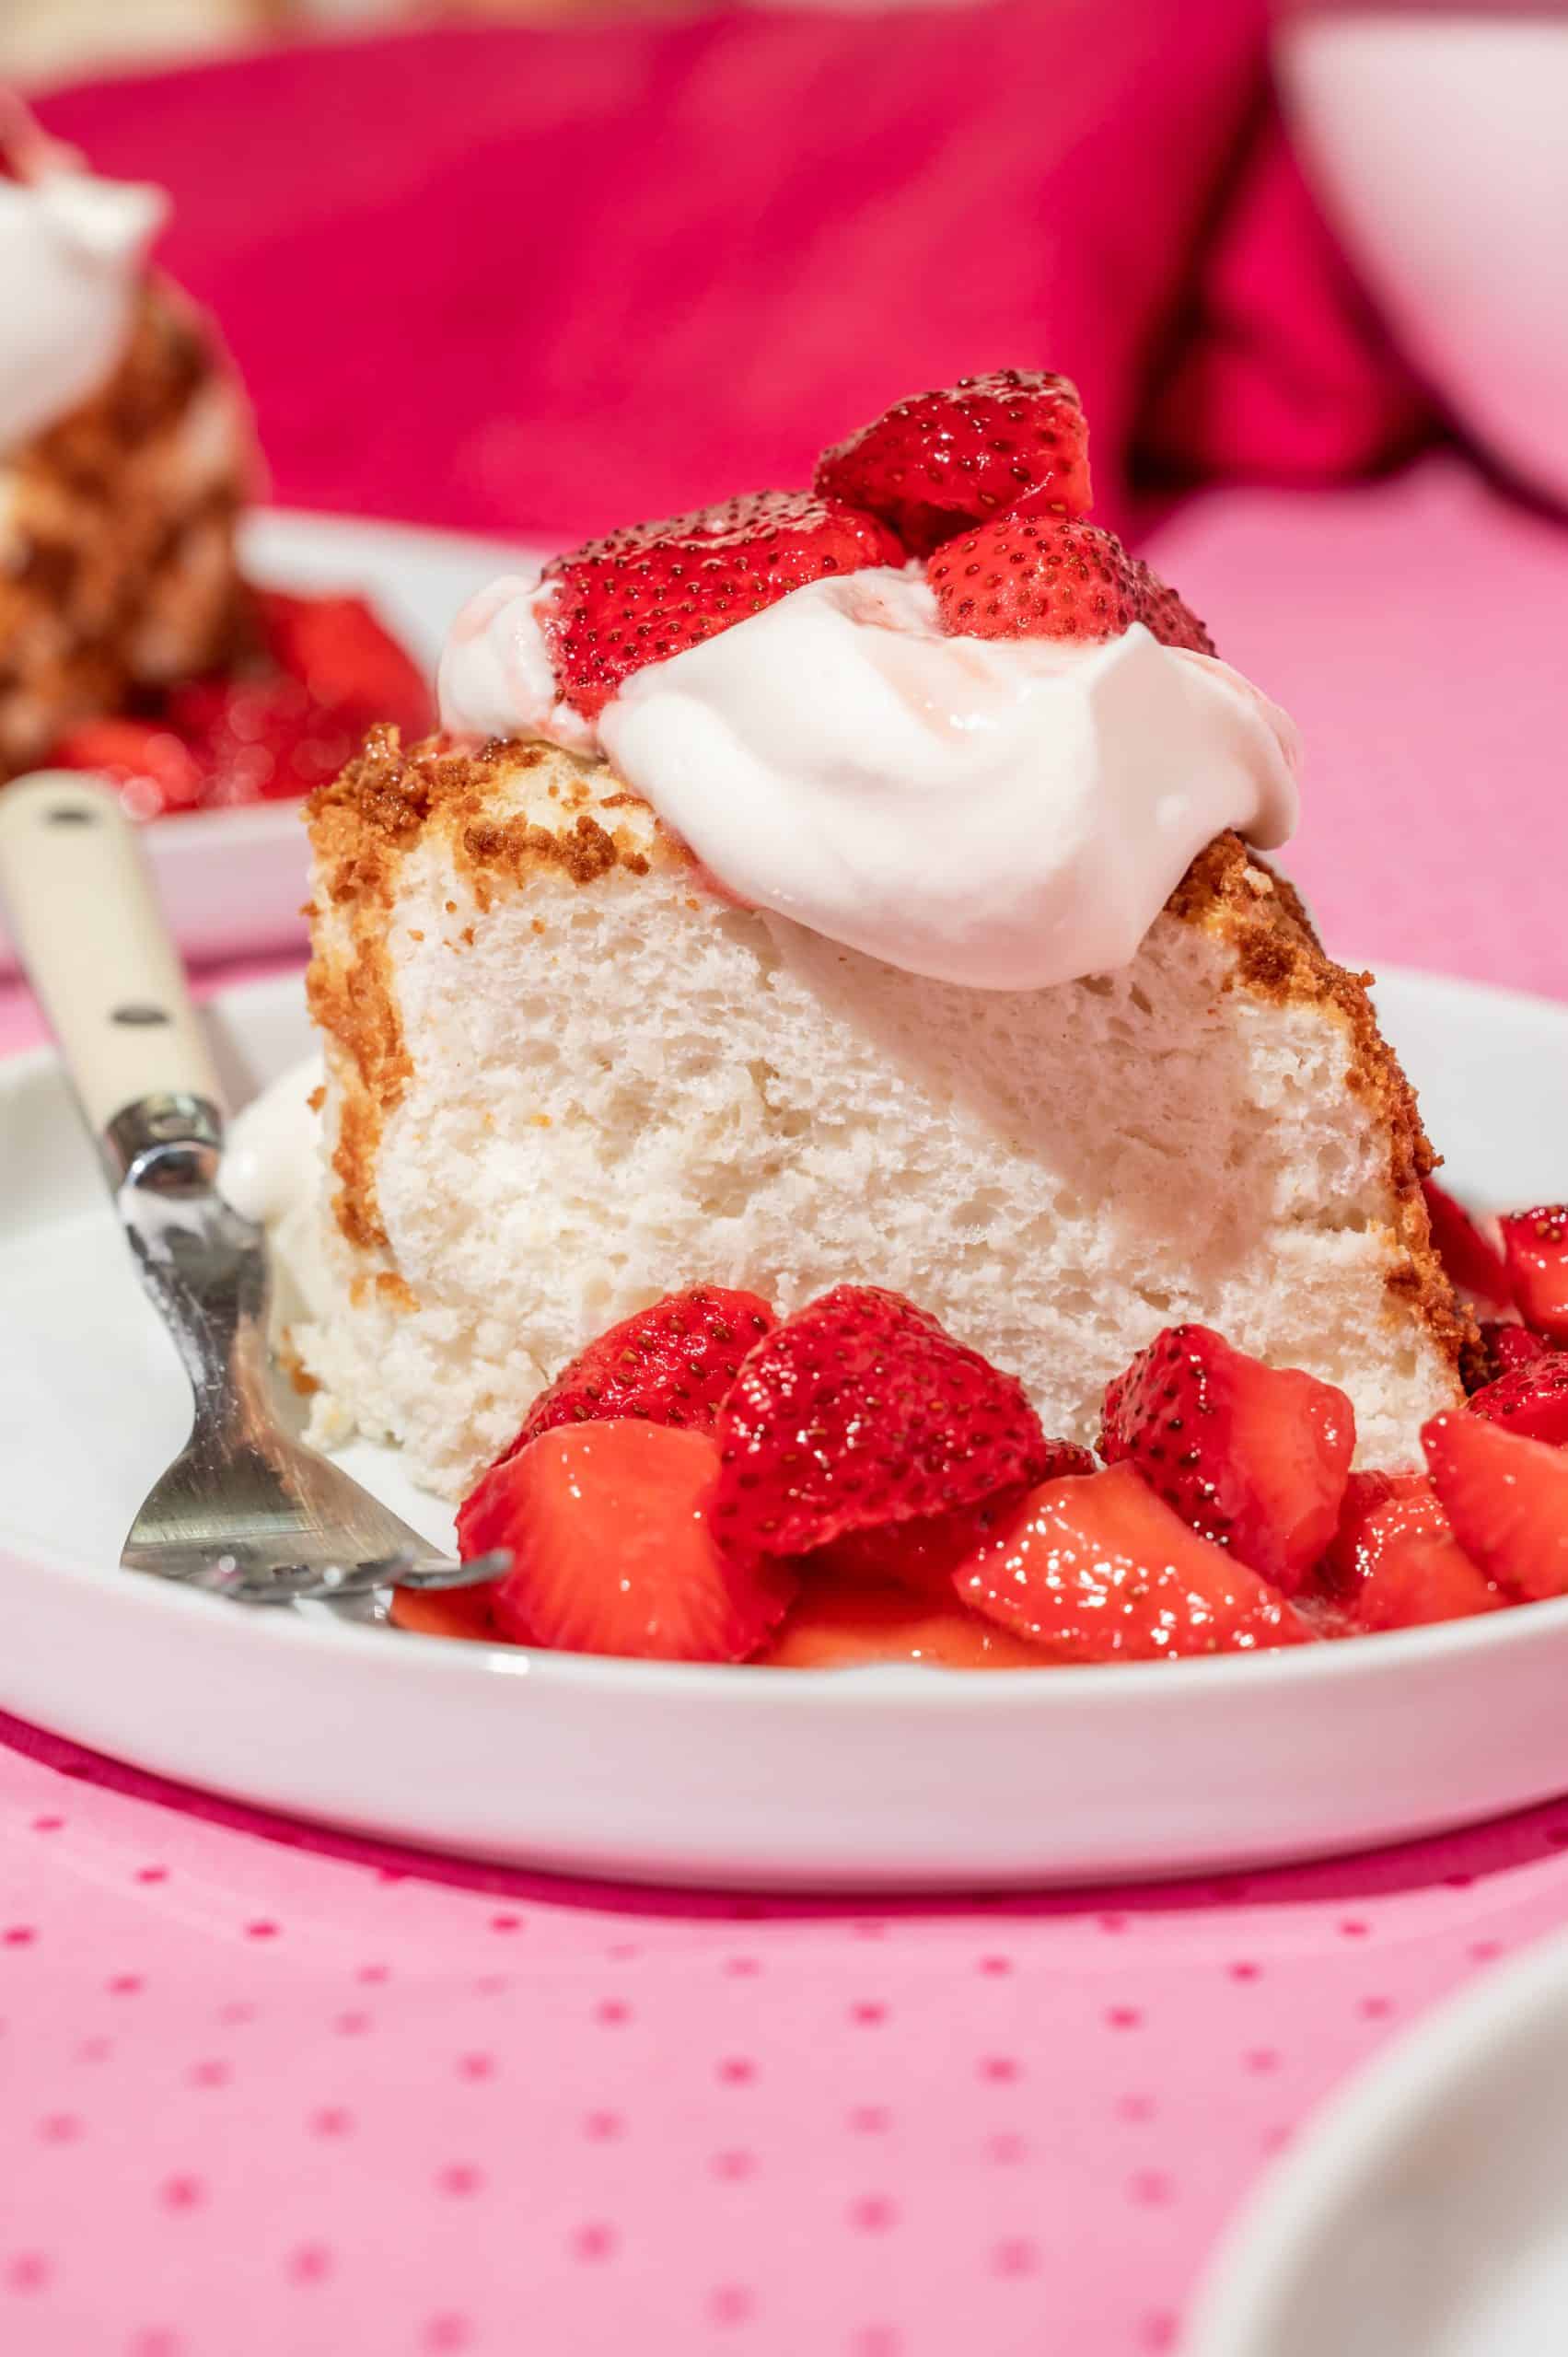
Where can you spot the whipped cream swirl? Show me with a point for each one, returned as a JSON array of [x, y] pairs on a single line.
[[72, 249], [1003, 813]]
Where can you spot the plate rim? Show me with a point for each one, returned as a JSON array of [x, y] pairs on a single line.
[[1386, 1653]]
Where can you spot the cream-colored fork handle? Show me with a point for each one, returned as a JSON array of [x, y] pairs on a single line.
[[87, 926]]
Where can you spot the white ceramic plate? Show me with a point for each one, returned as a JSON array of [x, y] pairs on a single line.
[[1423, 2217], [232, 881], [882, 1778]]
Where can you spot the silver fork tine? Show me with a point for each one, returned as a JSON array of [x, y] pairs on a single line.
[[245, 1511]]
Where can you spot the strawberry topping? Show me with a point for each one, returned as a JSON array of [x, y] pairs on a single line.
[[1506, 1345], [613, 1550], [1011, 442], [1531, 1398], [1055, 576], [1536, 1245], [1507, 1498], [672, 1364], [1475, 1266], [1099, 1569], [840, 1625], [921, 1555], [1394, 1561], [1255, 1457], [860, 1410], [653, 590]]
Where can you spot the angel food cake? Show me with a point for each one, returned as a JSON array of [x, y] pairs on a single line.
[[859, 888]]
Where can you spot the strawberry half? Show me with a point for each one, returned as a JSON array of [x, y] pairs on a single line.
[[653, 590], [1473, 1261], [1532, 1399], [921, 1556], [671, 1364], [1536, 1246], [1254, 1458], [860, 1410], [1054, 578], [1099, 1569], [1507, 1499], [1394, 1563], [1011, 442], [613, 1550], [840, 1626]]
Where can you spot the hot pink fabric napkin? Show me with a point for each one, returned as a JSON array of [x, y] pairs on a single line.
[[541, 282]]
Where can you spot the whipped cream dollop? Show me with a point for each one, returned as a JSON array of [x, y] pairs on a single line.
[[1004, 813], [72, 247]]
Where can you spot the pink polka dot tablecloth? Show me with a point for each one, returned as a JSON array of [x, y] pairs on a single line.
[[267, 2091]]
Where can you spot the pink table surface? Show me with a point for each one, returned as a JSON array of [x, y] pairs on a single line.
[[270, 2091]]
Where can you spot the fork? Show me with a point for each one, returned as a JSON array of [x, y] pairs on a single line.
[[245, 1510]]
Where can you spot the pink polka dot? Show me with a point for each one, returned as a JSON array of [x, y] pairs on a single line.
[[1245, 1971], [1352, 1928], [873, 1928], [48, 1824], [867, 2014], [873, 2213], [373, 1975], [125, 1984], [152, 1873], [1007, 2148], [603, 2127], [30, 2270], [351, 2024], [505, 1923], [730, 2304], [1124, 2017], [1151, 2188], [491, 1984], [182, 2193], [623, 1952], [996, 1968], [594, 2241], [311, 2263], [1002, 2070], [1015, 2256], [154, 2340], [1158, 2331], [445, 2333], [1135, 2108], [391, 1874], [1376, 2008], [95, 2049], [1484, 1951], [209, 2074], [19, 1935], [332, 2121], [476, 2066], [731, 2168], [1260, 2059], [1275, 2139], [877, 2340], [59, 2128], [1459, 1882], [610, 2011], [742, 1967], [1112, 1923], [234, 2015], [260, 1930], [460, 2178], [870, 2118], [736, 2070]]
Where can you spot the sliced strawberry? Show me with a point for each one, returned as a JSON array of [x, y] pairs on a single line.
[[1536, 1244], [921, 1556], [466, 1612], [1532, 1399], [860, 1410], [840, 1626], [1053, 576], [1099, 1569], [613, 1550], [1012, 443], [672, 1364], [1507, 1499], [1470, 1255], [1504, 1345], [1255, 1457], [347, 660], [154, 771], [652, 590], [1394, 1561]]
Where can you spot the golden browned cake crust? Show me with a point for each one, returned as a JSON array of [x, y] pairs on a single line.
[[117, 528]]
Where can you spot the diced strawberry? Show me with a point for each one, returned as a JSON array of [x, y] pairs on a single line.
[[1507, 1499], [347, 660], [860, 1410], [466, 1612], [1507, 1346], [613, 1548], [154, 771], [1394, 1561], [1536, 1244], [921, 1556], [653, 590], [840, 1626], [1532, 1399], [1098, 1568], [1012, 443], [1255, 1457], [1469, 1252], [672, 1364], [1053, 576]]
